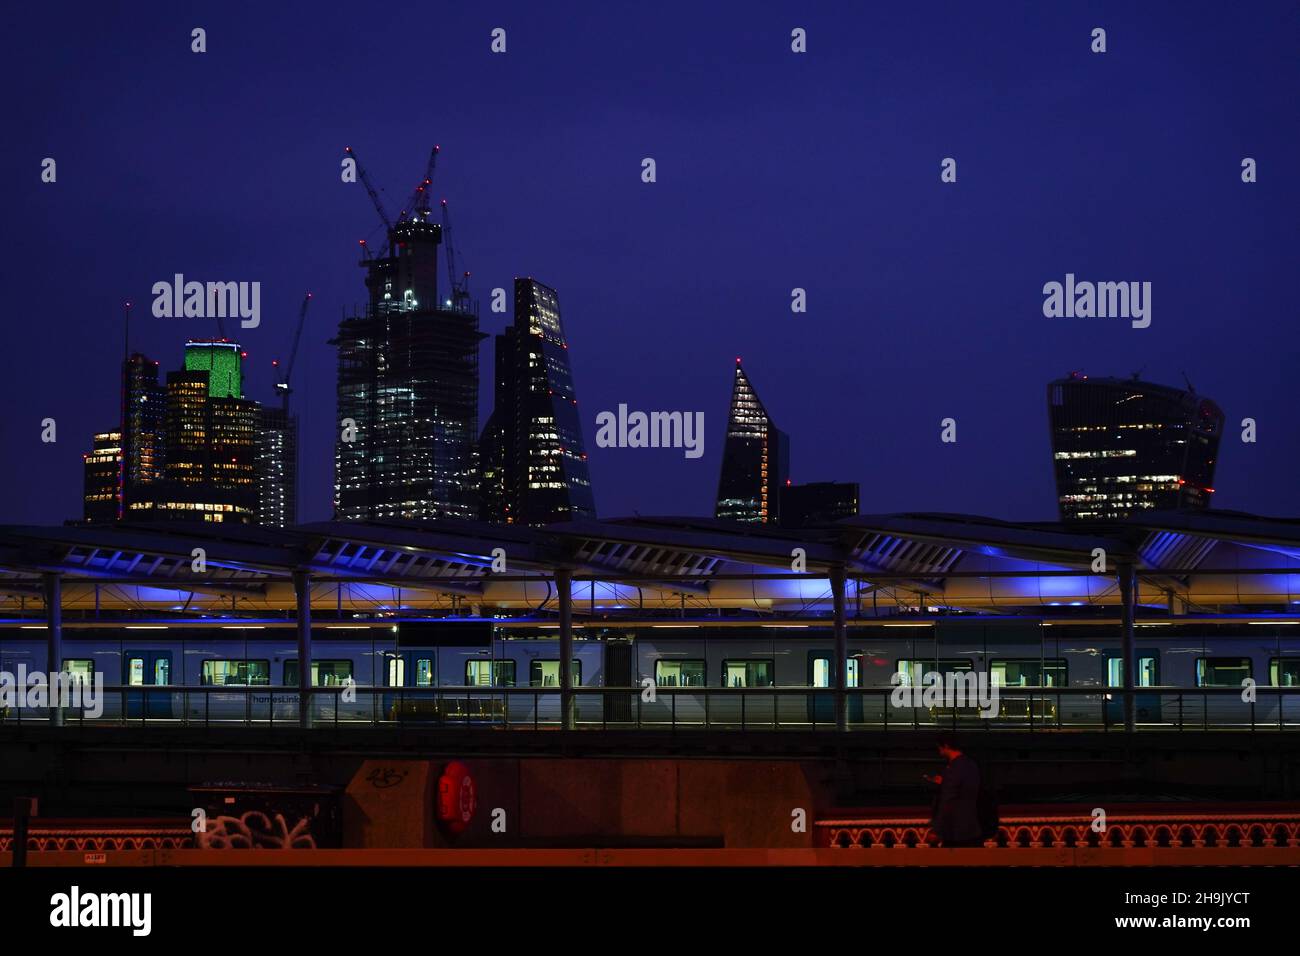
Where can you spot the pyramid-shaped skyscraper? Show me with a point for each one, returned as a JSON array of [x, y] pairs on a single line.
[[755, 458]]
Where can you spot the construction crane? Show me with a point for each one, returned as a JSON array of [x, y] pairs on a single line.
[[459, 284], [282, 386], [419, 201], [370, 188]]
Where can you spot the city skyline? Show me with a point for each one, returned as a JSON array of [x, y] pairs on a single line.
[[629, 445], [934, 309], [1106, 432]]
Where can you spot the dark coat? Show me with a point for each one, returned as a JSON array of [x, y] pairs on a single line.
[[956, 812]]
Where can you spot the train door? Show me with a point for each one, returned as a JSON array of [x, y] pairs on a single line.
[[745, 708], [414, 668], [147, 669], [546, 674], [821, 707], [618, 673], [81, 671], [1284, 672], [1146, 706]]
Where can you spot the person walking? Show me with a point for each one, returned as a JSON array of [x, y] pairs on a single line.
[[956, 819]]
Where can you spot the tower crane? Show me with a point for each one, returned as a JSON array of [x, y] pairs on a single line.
[[282, 386], [370, 189], [459, 284], [418, 204]]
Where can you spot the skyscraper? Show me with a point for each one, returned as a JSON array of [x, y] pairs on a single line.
[[133, 451], [755, 458], [101, 498], [222, 361], [1122, 446], [408, 388], [277, 467], [142, 410], [534, 461], [494, 499], [817, 502], [193, 449], [210, 443]]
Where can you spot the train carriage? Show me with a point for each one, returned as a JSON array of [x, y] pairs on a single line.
[[681, 675]]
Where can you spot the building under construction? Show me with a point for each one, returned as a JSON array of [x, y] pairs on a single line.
[[408, 381]]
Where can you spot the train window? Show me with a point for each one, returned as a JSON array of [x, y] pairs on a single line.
[[323, 673], [162, 671], [423, 671], [135, 672], [679, 673], [1221, 671], [490, 673], [914, 670], [1031, 672], [1284, 672], [81, 670], [228, 673], [748, 673], [547, 673], [1146, 675], [821, 672]]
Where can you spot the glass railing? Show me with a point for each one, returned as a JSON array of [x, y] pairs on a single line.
[[672, 708]]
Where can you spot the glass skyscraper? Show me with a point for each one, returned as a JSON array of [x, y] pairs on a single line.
[[143, 409], [818, 502], [192, 449], [102, 478], [210, 445], [407, 391], [277, 467], [534, 461], [755, 458], [1123, 446]]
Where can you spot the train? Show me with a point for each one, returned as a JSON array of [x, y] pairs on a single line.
[[675, 673]]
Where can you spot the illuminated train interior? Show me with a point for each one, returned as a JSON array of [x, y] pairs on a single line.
[[675, 672]]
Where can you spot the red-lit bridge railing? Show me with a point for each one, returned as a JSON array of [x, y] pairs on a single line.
[[101, 835], [1025, 828]]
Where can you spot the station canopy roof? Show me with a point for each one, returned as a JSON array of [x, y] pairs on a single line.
[[1211, 562]]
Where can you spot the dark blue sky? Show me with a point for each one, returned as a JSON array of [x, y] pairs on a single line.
[[775, 170]]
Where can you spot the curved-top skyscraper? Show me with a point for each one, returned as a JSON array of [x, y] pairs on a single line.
[[1122, 446], [533, 457]]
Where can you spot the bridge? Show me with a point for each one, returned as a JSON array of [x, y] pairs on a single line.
[[1028, 836]]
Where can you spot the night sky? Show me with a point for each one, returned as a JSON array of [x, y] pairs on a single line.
[[775, 171]]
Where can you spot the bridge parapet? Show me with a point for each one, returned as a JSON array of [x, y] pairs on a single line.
[[1181, 829]]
